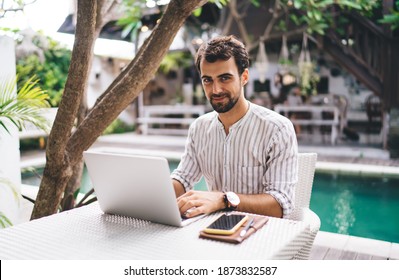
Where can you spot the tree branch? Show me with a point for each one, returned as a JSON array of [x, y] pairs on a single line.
[[76, 82], [241, 25], [130, 82]]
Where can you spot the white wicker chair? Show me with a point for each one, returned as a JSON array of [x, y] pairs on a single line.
[[303, 191]]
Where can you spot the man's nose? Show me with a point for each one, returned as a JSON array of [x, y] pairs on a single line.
[[216, 87]]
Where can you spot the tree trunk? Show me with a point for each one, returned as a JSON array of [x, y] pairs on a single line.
[[105, 12], [68, 200], [58, 169], [65, 150]]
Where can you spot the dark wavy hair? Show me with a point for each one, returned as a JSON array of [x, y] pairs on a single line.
[[223, 48]]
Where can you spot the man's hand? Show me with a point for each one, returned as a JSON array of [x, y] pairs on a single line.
[[194, 203]]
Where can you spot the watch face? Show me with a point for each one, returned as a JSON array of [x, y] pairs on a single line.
[[233, 199]]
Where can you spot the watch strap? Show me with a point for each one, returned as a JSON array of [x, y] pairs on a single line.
[[227, 204]]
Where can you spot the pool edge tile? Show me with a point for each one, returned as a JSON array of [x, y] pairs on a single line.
[[368, 246], [331, 240], [394, 253]]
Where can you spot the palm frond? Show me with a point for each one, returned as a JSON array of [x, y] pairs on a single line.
[[4, 221], [12, 187], [25, 106]]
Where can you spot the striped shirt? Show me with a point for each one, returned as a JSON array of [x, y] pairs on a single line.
[[259, 155]]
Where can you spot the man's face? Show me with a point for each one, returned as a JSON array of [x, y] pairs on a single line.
[[222, 84]]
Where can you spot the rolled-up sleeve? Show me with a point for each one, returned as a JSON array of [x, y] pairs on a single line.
[[282, 168], [188, 171]]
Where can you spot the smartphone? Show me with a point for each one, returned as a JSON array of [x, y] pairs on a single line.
[[226, 224]]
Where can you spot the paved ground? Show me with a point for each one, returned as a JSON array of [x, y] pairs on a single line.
[[343, 152], [351, 154]]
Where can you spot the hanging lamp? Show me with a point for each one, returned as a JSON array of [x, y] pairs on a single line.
[[262, 62], [304, 56], [284, 77], [283, 60], [307, 75]]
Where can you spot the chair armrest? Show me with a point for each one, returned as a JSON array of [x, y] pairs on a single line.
[[309, 217], [312, 219]]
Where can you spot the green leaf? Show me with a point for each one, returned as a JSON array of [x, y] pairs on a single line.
[[326, 3], [131, 27], [124, 21], [298, 4], [12, 187], [197, 12], [4, 126], [350, 3], [219, 3], [282, 25], [317, 15], [391, 19], [4, 221], [255, 3], [295, 19], [135, 31]]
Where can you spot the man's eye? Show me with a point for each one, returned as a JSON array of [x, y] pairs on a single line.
[[225, 78], [206, 81]]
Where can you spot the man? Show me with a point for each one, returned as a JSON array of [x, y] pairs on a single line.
[[247, 153]]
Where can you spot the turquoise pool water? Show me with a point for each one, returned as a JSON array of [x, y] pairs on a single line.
[[354, 205], [357, 205]]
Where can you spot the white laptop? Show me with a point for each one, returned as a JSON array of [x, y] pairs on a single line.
[[135, 186]]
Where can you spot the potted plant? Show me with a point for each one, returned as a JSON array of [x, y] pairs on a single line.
[[16, 110], [308, 77]]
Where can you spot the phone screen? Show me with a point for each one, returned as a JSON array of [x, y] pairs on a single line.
[[226, 224]]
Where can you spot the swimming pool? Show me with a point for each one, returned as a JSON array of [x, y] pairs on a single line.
[[365, 206]]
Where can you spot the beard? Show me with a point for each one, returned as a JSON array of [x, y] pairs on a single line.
[[223, 107]]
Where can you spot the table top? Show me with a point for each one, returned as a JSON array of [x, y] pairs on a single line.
[[88, 233]]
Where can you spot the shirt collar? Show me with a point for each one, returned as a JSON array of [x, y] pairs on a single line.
[[238, 123]]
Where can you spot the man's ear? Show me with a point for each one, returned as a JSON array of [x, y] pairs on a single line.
[[245, 77]]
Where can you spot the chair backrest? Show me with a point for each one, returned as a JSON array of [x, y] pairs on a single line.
[[303, 190]]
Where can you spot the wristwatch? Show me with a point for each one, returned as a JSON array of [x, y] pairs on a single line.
[[231, 200]]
